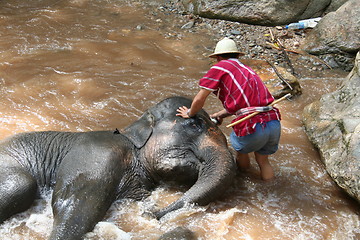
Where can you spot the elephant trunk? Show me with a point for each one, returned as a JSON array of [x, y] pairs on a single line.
[[215, 176]]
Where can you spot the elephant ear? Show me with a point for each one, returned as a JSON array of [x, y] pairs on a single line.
[[140, 131]]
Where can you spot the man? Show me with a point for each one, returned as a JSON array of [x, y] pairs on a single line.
[[241, 92]]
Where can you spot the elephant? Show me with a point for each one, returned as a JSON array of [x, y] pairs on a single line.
[[88, 171]]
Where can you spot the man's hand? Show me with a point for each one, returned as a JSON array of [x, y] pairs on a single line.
[[183, 112], [219, 116], [218, 120], [196, 105]]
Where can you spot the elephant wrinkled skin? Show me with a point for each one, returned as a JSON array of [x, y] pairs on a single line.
[[90, 170]]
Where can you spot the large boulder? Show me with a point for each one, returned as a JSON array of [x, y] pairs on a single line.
[[334, 5], [258, 12], [333, 125], [336, 38]]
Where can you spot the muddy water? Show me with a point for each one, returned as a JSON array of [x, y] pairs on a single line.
[[92, 65]]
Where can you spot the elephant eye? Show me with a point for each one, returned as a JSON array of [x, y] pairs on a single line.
[[194, 125]]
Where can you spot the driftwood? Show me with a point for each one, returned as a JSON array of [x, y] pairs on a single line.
[[280, 76], [276, 44], [279, 46]]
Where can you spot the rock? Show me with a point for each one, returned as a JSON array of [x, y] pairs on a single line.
[[179, 233], [289, 84], [235, 32], [335, 5], [337, 38], [259, 12], [333, 126], [188, 25]]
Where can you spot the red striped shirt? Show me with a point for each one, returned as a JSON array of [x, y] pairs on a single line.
[[238, 86]]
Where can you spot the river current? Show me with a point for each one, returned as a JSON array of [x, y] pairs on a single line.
[[81, 65]]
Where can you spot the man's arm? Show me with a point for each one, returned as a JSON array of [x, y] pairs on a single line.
[[197, 104]]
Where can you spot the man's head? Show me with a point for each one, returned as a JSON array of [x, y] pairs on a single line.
[[225, 49]]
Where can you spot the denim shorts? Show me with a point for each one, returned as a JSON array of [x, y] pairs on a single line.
[[265, 139]]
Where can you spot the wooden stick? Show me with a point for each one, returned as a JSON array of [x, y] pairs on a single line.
[[278, 48], [272, 35], [279, 75], [255, 113]]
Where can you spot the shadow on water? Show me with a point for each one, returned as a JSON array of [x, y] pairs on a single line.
[[82, 65]]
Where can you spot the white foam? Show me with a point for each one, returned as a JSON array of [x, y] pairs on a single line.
[[107, 231]]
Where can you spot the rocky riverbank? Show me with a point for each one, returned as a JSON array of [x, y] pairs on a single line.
[[336, 38], [275, 44]]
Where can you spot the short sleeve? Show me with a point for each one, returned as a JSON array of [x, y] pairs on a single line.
[[211, 79]]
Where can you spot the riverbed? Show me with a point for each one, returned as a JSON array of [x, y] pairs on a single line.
[[83, 65]]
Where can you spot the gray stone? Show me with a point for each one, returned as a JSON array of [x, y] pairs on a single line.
[[333, 126], [179, 233], [235, 32], [188, 25], [259, 12], [337, 38], [335, 5]]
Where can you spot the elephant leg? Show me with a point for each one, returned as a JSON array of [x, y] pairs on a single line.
[[78, 207], [18, 191]]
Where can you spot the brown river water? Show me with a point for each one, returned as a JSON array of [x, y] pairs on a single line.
[[81, 65]]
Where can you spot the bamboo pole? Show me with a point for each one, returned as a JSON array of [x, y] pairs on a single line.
[[255, 113]]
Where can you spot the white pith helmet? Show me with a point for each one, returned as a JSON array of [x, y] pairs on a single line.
[[225, 45]]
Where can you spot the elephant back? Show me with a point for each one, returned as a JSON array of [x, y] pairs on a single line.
[[40, 153]]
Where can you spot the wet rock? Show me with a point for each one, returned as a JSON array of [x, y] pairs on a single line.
[[269, 12], [333, 126], [337, 38], [286, 83], [179, 233]]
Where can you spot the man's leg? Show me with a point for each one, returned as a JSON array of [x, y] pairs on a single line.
[[267, 172], [243, 161]]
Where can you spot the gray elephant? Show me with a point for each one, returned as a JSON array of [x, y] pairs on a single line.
[[88, 171]]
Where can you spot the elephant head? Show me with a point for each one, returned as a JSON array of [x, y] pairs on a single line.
[[190, 151]]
